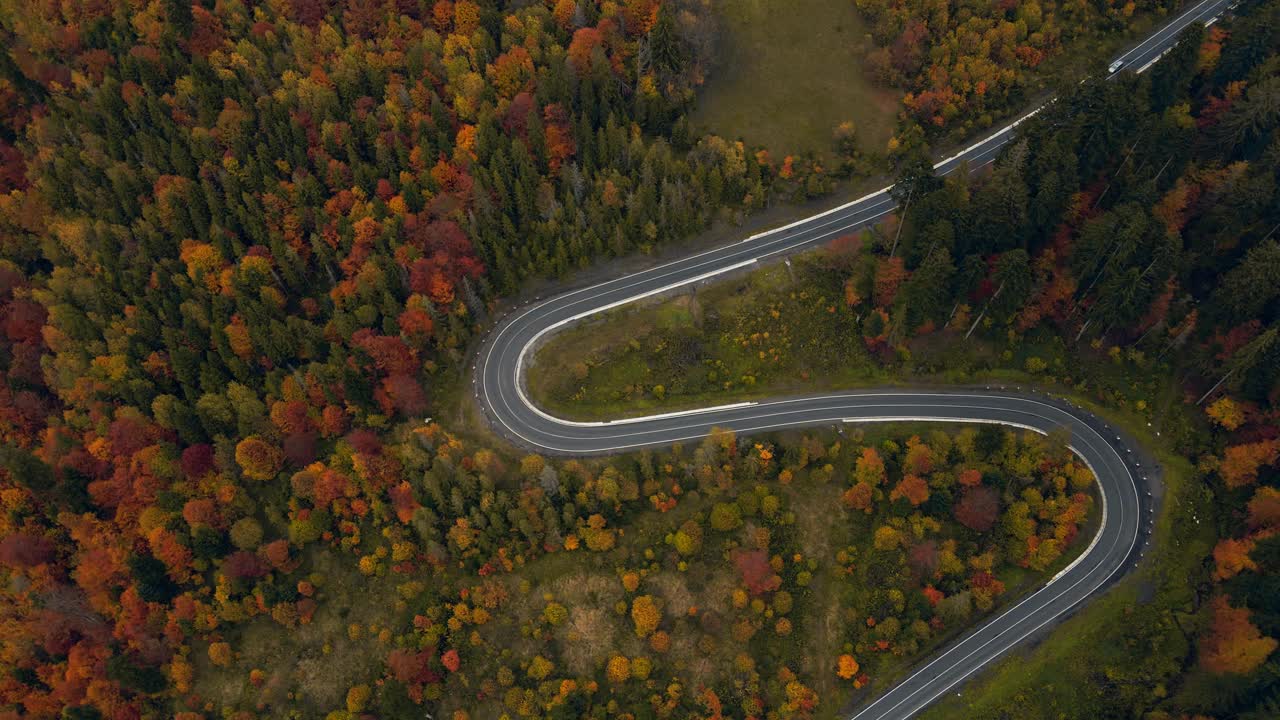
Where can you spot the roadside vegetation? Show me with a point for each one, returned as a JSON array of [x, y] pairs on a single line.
[[1128, 650], [775, 331]]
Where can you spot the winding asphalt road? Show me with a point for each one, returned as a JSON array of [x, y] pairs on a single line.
[[1125, 508]]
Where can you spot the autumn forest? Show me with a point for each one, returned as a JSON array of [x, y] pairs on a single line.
[[248, 250]]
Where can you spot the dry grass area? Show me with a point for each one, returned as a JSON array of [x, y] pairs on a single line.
[[702, 645], [674, 590], [702, 648], [824, 526], [583, 587], [592, 632], [318, 661], [587, 639]]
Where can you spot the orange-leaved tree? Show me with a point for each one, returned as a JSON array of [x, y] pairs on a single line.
[[1232, 643]]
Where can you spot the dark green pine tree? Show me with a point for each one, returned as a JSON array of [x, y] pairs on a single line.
[[667, 51]]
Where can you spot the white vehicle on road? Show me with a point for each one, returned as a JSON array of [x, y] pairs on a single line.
[[1115, 66]]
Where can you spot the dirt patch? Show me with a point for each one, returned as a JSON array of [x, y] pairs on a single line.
[[675, 591], [587, 639]]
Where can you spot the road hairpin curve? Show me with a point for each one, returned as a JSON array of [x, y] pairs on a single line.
[[1115, 549]]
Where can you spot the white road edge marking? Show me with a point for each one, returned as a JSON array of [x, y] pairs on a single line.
[[680, 413], [525, 350]]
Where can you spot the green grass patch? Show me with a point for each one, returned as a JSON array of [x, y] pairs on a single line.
[[790, 72], [786, 330], [773, 331]]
